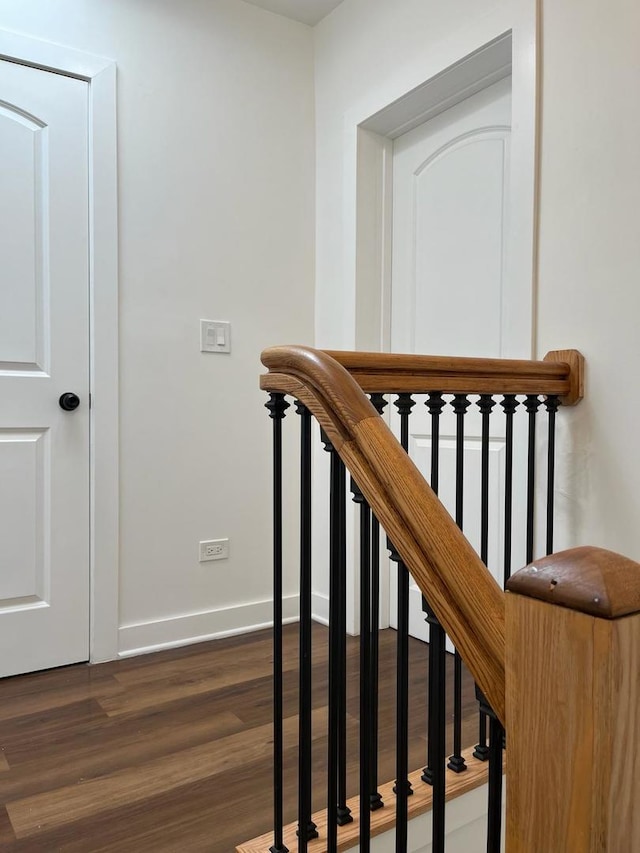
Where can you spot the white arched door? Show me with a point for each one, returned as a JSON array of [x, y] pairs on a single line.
[[451, 203], [44, 354]]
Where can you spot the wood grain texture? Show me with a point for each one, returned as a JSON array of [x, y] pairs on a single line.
[[183, 760], [330, 422], [41, 812], [575, 360], [591, 580], [303, 371], [329, 381], [574, 765], [383, 819], [394, 372]]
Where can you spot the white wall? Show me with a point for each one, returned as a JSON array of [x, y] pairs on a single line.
[[588, 297], [368, 54], [589, 291], [216, 159]]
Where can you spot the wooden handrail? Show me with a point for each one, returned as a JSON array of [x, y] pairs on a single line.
[[465, 597], [560, 373]]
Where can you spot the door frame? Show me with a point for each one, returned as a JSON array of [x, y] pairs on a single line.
[[504, 42], [100, 75], [369, 216]]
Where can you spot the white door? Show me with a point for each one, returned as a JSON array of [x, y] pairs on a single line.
[[44, 353], [450, 224]]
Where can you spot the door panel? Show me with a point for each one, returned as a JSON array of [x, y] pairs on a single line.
[[23, 461], [23, 154], [44, 352], [458, 197], [450, 215]]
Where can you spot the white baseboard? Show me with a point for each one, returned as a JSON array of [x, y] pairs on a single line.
[[146, 637], [320, 608], [466, 828]]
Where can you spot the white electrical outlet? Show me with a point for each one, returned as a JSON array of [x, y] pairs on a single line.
[[214, 549]]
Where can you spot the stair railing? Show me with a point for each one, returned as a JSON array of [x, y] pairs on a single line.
[[461, 596]]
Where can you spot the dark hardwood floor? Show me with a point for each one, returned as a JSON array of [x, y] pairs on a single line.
[[172, 751]]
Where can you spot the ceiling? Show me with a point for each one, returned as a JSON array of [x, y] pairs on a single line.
[[306, 11]]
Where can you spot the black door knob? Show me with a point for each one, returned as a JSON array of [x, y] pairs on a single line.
[[69, 401]]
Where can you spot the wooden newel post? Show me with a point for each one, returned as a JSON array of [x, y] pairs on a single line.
[[573, 704]]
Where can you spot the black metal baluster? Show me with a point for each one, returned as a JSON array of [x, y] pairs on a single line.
[[343, 811], [552, 403], [509, 404], [456, 761], [365, 668], [433, 773], [531, 404], [485, 404], [337, 471], [306, 827], [375, 798], [435, 404], [404, 404], [496, 747], [494, 815], [277, 407]]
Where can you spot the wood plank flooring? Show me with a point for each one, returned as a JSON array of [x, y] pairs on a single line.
[[172, 751]]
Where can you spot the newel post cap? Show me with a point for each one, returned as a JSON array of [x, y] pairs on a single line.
[[587, 579]]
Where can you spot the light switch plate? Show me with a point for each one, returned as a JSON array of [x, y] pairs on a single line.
[[215, 336]]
